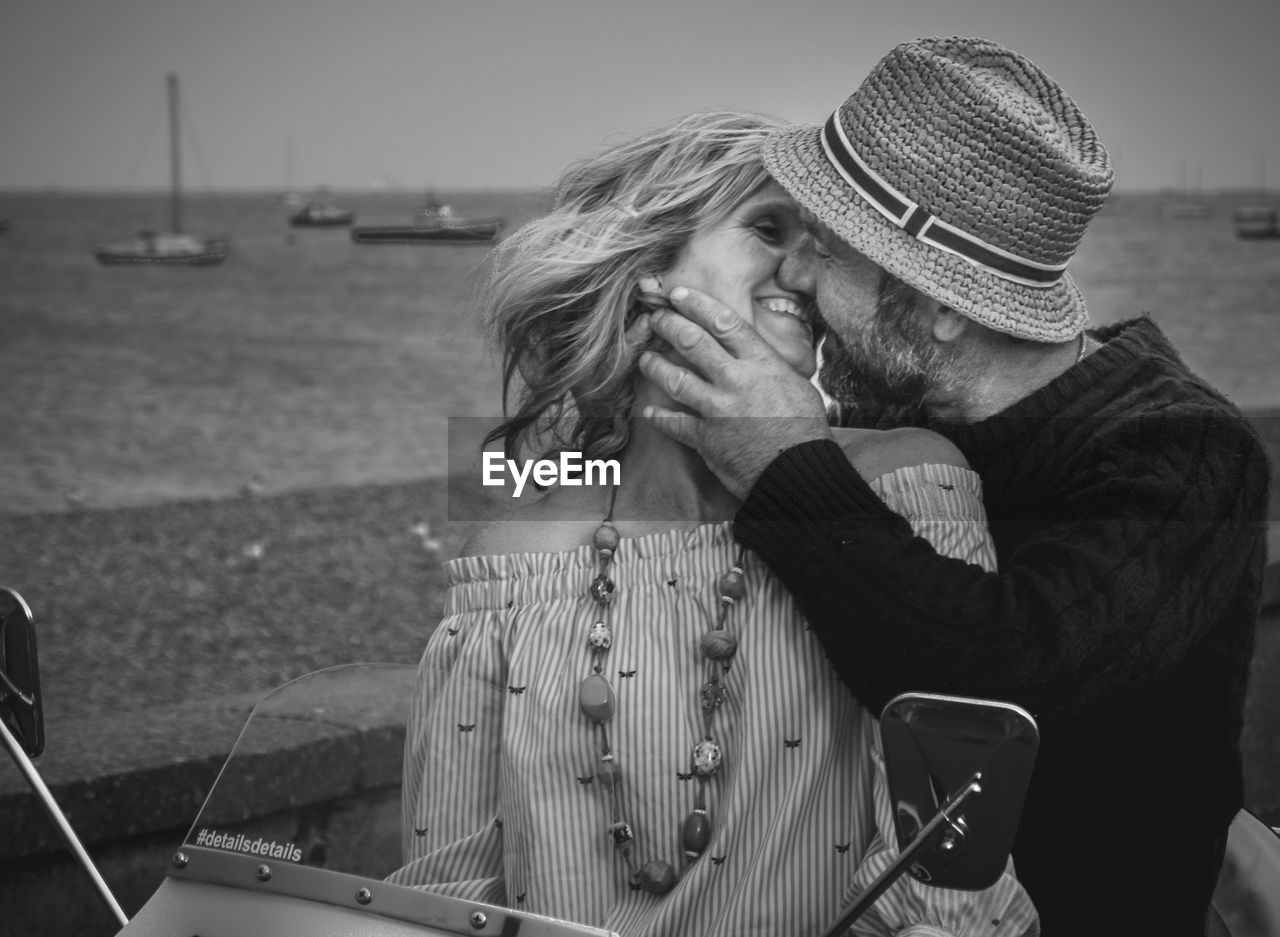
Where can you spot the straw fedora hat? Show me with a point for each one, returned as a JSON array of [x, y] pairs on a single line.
[[963, 169]]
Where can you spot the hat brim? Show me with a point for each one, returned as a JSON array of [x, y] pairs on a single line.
[[1057, 313]]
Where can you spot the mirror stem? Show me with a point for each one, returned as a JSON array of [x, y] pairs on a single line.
[[37, 784], [10, 690], [906, 856]]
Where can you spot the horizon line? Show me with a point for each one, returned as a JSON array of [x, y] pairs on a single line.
[[320, 190]]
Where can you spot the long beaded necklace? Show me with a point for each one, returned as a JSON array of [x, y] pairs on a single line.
[[597, 701]]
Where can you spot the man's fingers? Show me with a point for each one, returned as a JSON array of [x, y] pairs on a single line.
[[637, 335], [682, 427], [728, 328], [680, 384], [691, 342]]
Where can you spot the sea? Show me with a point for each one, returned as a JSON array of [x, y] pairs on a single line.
[[306, 360]]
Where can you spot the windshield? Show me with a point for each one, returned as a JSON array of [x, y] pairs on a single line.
[[314, 778], [306, 812], [308, 804]]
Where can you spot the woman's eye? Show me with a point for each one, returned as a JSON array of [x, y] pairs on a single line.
[[768, 230]]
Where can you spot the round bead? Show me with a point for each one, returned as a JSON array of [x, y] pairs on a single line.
[[733, 585], [620, 834], [657, 878], [706, 758], [595, 697], [718, 645], [695, 833], [712, 695], [602, 589], [601, 637], [606, 538]]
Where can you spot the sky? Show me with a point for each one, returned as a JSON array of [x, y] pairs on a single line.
[[458, 94]]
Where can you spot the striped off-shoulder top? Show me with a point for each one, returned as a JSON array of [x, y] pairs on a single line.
[[502, 802]]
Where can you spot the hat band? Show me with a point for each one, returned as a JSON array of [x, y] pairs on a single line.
[[923, 226]]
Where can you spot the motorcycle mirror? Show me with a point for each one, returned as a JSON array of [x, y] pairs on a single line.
[[935, 748], [957, 770], [22, 723], [20, 706]]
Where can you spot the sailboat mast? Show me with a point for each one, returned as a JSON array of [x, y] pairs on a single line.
[[175, 159]]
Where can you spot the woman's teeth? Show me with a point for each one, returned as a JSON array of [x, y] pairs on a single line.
[[782, 304]]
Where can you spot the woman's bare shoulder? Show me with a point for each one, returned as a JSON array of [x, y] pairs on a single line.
[[878, 452], [489, 539]]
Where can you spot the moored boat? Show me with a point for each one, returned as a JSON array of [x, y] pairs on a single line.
[[150, 247], [436, 223], [1256, 221], [1187, 210], [472, 233], [321, 215], [173, 247]]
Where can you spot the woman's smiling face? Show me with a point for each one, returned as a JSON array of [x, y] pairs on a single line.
[[736, 260]]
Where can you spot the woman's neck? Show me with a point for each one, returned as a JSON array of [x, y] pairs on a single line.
[[665, 481]]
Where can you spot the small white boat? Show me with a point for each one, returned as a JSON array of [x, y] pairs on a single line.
[[150, 247], [321, 215]]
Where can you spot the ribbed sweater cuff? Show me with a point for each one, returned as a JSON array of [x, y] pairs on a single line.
[[809, 484]]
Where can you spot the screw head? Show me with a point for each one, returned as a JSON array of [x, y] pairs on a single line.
[[364, 896], [478, 919], [180, 860], [263, 873]]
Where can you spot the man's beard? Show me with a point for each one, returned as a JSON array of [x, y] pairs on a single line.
[[885, 371]]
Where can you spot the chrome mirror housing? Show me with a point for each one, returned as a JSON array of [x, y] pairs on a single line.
[[20, 707]]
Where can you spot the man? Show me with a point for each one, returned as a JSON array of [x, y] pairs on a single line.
[[1126, 497]]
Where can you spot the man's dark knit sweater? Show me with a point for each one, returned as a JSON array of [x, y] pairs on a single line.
[[1128, 503]]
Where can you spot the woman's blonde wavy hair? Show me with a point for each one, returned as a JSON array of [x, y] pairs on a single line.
[[560, 293]]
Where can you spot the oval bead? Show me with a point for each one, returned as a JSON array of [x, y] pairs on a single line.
[[718, 645], [732, 584], [595, 698], [712, 695], [606, 538], [706, 758], [657, 878], [695, 833], [609, 774]]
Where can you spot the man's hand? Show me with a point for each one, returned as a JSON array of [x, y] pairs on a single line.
[[637, 335], [749, 405]]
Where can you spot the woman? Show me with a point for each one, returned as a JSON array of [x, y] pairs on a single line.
[[622, 719]]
